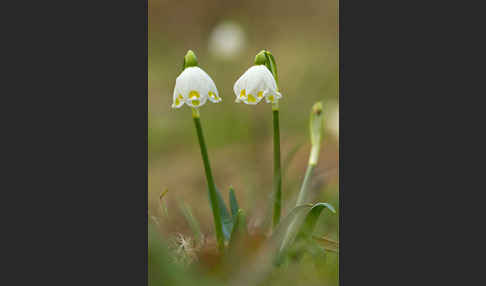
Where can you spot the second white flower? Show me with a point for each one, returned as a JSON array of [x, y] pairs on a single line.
[[255, 84]]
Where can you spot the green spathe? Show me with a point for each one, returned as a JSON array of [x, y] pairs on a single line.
[[266, 58]]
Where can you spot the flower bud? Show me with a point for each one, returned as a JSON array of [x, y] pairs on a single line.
[[316, 131]]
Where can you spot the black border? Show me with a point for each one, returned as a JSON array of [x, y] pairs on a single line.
[[83, 144]]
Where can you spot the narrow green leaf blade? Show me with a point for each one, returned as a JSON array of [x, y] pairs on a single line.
[[163, 204], [301, 220], [191, 220], [287, 220], [284, 231], [226, 219], [233, 203], [239, 228], [311, 219]]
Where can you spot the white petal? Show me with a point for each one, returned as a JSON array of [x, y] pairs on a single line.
[[213, 94], [239, 86], [252, 86], [269, 80], [214, 97], [195, 85], [178, 99], [242, 87], [272, 96]]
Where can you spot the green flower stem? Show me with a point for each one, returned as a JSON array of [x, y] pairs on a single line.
[[266, 58], [209, 177], [277, 173]]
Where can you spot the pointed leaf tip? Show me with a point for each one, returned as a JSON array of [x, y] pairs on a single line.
[[233, 203]]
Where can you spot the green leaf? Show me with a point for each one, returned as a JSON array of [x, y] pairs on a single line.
[[163, 204], [282, 233], [285, 222], [226, 219], [191, 220], [239, 227], [300, 217], [311, 219], [233, 203]]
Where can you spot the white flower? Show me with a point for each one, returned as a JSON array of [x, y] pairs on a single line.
[[194, 87], [255, 84]]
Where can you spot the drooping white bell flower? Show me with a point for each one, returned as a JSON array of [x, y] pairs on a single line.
[[255, 84], [194, 87]]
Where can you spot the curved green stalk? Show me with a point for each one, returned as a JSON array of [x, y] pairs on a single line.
[[213, 199], [316, 132], [304, 189]]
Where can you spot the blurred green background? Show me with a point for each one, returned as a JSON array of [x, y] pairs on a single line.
[[226, 36]]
